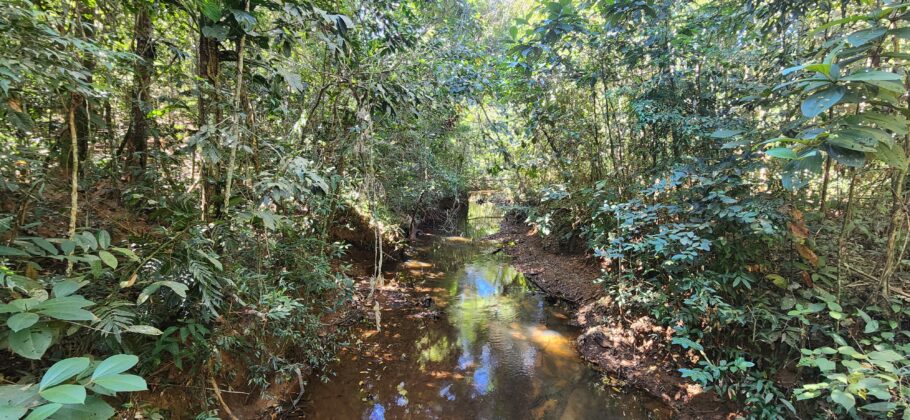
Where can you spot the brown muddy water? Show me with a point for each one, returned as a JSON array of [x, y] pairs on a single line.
[[471, 339]]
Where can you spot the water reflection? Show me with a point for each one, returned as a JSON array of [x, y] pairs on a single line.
[[498, 351]]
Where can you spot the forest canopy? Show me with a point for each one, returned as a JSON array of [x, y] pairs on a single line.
[[185, 184]]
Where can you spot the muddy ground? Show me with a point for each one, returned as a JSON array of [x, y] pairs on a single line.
[[633, 351]]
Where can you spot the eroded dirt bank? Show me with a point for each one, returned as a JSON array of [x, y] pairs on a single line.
[[632, 350]]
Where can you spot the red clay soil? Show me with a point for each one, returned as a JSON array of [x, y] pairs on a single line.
[[634, 351]]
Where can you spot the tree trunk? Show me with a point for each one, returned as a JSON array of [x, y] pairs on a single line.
[[138, 134], [207, 67]]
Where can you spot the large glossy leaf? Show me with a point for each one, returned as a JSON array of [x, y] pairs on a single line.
[[93, 409], [896, 123], [122, 383], [865, 36], [854, 139], [64, 394], [31, 343], [846, 400], [67, 287], [822, 100], [109, 259], [846, 157], [44, 411], [68, 308], [21, 321], [115, 364], [11, 412], [892, 155], [63, 370], [781, 153], [863, 76]]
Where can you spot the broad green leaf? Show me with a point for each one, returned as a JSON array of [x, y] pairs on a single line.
[[844, 399], [46, 245], [67, 246], [846, 157], [781, 153], [67, 287], [824, 364], [115, 364], [63, 370], [723, 133], [21, 321], [822, 100], [896, 123], [88, 241], [143, 329], [44, 411], [104, 239], [211, 9], [11, 412], [31, 343], [108, 259], [122, 383], [886, 356], [892, 155], [244, 19], [865, 36], [853, 139], [64, 394], [219, 32], [6, 251], [94, 409], [863, 76]]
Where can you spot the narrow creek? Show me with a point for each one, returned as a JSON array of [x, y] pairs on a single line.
[[470, 339]]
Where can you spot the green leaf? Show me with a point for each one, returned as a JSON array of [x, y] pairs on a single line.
[[68, 308], [824, 364], [846, 157], [844, 399], [143, 329], [822, 100], [865, 76], [11, 412], [21, 321], [65, 394], [115, 364], [896, 123], [63, 370], [211, 9], [723, 133], [865, 36], [108, 259], [885, 356], [104, 239], [6, 251], [892, 155], [88, 241], [94, 409], [67, 287], [31, 343], [219, 32], [122, 383], [44, 411], [67, 246], [45, 245], [244, 19], [781, 153]]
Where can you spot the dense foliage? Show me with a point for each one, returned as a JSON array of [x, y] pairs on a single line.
[[181, 179]]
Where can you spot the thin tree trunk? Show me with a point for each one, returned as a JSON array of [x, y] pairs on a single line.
[[237, 96], [74, 181]]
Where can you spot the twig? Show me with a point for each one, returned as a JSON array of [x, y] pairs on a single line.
[[227, 409]]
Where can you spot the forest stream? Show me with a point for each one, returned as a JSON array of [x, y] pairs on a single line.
[[480, 342]]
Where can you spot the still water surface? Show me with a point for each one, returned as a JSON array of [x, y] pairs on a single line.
[[487, 347]]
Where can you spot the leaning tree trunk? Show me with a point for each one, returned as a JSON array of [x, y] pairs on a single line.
[[137, 136]]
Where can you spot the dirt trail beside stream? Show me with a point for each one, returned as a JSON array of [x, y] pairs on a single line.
[[631, 350]]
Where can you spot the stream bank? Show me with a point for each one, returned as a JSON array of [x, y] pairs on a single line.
[[461, 333], [631, 350]]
